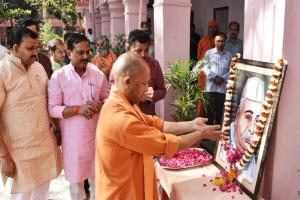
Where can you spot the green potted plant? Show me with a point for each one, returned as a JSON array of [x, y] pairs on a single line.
[[119, 44], [185, 84]]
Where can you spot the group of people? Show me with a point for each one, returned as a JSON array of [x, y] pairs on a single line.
[[106, 125], [217, 52]]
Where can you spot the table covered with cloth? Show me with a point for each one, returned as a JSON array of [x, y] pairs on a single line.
[[193, 184]]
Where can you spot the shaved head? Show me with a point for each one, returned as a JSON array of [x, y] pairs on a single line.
[[129, 64], [131, 75]]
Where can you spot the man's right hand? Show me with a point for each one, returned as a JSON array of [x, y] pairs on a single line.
[[212, 132], [7, 167], [86, 110], [218, 80]]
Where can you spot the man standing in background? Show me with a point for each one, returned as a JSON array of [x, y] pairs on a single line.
[[216, 77], [139, 43], [207, 42], [104, 58], [57, 52], [234, 44]]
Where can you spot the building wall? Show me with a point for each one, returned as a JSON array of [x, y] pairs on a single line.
[[270, 33], [284, 179], [204, 11]]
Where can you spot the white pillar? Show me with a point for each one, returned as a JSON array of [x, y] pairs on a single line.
[[117, 24], [132, 14], [172, 40], [264, 29]]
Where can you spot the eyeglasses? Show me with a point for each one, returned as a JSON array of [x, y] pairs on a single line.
[[91, 85]]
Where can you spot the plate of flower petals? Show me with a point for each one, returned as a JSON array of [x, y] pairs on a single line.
[[186, 158]]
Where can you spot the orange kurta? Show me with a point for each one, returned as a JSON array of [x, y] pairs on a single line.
[[126, 140], [204, 44], [106, 61]]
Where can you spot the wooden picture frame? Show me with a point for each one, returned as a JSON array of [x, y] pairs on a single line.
[[257, 75]]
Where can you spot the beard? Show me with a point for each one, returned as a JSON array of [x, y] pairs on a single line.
[[102, 53]]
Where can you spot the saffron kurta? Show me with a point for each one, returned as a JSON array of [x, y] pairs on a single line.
[[125, 143], [25, 125], [67, 88], [106, 61], [205, 44]]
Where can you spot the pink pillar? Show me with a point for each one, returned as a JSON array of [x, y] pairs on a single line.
[[105, 19], [172, 40], [116, 17], [132, 14], [97, 25]]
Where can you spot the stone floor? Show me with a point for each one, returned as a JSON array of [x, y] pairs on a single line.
[[59, 189]]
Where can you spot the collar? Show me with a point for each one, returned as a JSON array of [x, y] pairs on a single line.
[[117, 96], [72, 68], [233, 41], [215, 50], [17, 61]]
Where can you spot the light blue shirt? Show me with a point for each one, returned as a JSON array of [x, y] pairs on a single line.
[[218, 65], [234, 46], [248, 171]]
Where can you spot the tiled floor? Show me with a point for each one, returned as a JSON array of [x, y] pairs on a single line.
[[59, 189]]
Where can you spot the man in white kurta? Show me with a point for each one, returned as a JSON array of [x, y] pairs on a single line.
[[28, 151]]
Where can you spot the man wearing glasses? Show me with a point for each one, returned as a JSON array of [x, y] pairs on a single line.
[[76, 93]]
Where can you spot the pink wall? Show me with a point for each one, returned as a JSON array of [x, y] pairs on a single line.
[[270, 33], [283, 180], [172, 39]]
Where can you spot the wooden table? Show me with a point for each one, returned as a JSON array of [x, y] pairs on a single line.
[[193, 184]]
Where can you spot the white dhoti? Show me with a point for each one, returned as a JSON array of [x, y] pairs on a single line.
[[39, 193]]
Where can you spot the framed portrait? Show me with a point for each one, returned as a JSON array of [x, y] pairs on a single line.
[[250, 109]]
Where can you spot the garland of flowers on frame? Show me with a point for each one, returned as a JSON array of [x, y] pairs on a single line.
[[237, 160]]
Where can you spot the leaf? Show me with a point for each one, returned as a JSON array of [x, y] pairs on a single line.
[[185, 81]]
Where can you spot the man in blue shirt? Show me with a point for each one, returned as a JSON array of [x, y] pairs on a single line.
[[217, 72], [234, 44]]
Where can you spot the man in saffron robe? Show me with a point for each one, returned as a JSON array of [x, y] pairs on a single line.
[[207, 42], [104, 59], [127, 139]]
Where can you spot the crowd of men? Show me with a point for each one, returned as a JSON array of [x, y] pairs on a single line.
[[64, 112]]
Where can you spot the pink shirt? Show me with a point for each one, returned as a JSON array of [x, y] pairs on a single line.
[[67, 88]]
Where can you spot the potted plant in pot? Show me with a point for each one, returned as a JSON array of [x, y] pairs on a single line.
[[185, 84]]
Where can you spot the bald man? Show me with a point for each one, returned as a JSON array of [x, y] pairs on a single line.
[[126, 139]]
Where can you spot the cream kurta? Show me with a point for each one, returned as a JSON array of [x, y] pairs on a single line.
[[24, 124]]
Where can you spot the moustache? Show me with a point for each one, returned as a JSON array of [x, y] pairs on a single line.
[[84, 60]]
